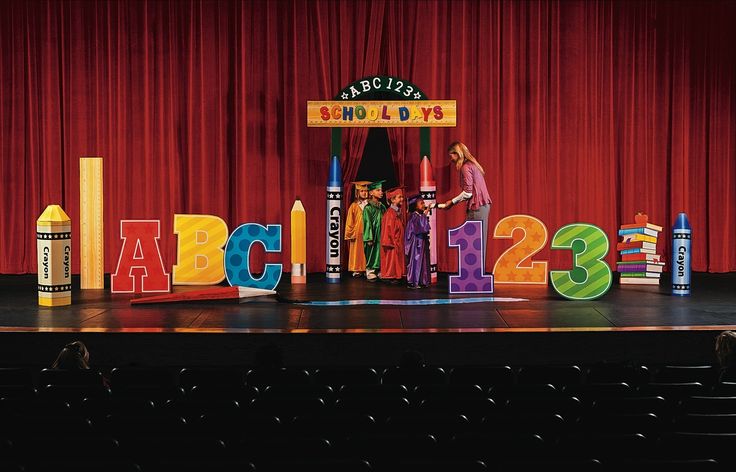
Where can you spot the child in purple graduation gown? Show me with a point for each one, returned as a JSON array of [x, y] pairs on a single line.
[[416, 244]]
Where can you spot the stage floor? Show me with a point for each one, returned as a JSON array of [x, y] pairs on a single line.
[[629, 324], [711, 306]]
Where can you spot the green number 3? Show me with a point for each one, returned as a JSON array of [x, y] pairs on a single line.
[[590, 276]]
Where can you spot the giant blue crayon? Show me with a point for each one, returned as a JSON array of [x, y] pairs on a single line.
[[428, 189], [333, 221], [681, 256]]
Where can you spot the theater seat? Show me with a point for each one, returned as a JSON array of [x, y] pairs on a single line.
[[698, 446], [492, 448], [411, 377], [263, 377], [16, 376], [707, 405], [73, 394], [228, 378], [705, 374], [69, 377], [484, 376], [314, 463], [604, 446], [557, 375], [633, 375], [337, 377], [705, 423], [82, 465]]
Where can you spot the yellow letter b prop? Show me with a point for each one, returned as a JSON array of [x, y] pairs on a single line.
[[200, 250]]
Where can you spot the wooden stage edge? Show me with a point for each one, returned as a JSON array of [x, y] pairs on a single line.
[[629, 324]]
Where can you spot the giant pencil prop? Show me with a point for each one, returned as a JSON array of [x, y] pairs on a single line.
[[428, 189], [215, 293], [298, 243]]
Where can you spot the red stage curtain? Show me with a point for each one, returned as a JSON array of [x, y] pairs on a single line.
[[579, 111]]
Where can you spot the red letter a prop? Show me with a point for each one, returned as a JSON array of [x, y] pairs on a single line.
[[140, 251]]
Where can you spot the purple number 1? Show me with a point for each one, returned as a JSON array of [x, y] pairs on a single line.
[[469, 241]]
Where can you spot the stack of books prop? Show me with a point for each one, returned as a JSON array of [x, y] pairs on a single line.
[[640, 264]]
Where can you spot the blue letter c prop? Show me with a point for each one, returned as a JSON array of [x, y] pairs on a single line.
[[237, 256]]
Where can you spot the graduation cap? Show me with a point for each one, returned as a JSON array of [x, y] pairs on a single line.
[[376, 185], [361, 184], [412, 200], [391, 193]]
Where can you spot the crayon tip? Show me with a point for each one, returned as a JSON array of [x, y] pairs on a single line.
[[681, 222], [426, 177], [335, 177], [53, 215]]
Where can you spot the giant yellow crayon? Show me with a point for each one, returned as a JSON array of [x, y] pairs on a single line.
[[298, 243], [54, 243], [92, 250]]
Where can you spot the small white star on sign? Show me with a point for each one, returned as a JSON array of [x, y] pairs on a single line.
[[417, 96], [344, 95]]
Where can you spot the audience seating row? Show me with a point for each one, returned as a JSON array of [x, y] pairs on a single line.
[[485, 376], [429, 418]]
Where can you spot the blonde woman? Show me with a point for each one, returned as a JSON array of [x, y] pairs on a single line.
[[473, 188]]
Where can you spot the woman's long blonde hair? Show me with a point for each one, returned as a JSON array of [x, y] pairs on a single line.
[[464, 153], [726, 348]]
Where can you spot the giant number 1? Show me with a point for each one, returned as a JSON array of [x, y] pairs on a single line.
[[590, 276], [468, 238]]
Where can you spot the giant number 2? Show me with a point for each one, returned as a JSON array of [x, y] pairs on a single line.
[[590, 276], [515, 265]]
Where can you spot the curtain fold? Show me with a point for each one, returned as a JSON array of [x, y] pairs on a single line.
[[580, 111]]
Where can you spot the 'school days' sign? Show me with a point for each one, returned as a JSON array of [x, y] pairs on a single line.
[[370, 113]]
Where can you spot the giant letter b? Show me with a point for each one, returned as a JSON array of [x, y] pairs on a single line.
[[200, 250]]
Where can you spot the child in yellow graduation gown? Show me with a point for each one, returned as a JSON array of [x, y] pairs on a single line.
[[354, 229]]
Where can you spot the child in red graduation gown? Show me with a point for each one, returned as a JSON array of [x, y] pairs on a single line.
[[392, 238]]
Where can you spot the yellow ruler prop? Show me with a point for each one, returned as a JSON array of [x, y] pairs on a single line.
[[91, 225]]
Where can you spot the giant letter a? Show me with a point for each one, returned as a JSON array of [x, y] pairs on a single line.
[[140, 251]]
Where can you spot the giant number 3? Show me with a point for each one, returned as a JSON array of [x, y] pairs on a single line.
[[590, 276], [515, 265]]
